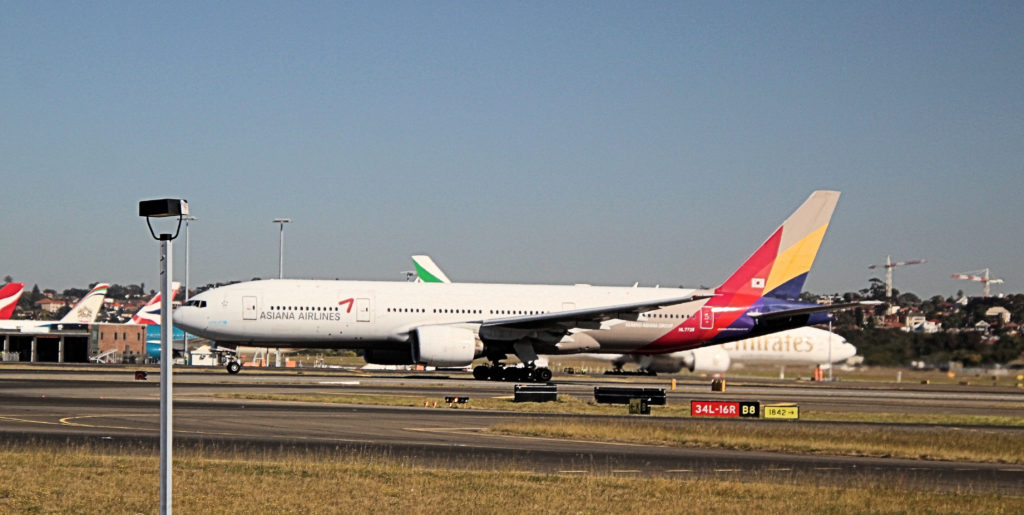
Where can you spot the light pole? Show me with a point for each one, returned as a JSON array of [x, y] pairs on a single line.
[[830, 349], [280, 261], [187, 219], [157, 209]]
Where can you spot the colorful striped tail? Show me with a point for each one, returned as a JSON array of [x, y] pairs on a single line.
[[779, 267]]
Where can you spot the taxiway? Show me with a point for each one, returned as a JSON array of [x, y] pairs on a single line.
[[110, 407]]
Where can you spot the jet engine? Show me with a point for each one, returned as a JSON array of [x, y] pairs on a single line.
[[388, 356], [444, 346], [707, 360], [661, 363]]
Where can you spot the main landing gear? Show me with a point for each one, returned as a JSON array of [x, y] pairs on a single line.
[[499, 372], [639, 372]]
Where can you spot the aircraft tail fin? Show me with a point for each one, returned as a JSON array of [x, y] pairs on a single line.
[[9, 296], [86, 310], [150, 313], [427, 271], [779, 267]]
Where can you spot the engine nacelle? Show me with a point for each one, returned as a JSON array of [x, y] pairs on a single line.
[[388, 357], [445, 346], [664, 363], [707, 360]]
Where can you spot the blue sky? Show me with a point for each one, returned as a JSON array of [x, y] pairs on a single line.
[[561, 142]]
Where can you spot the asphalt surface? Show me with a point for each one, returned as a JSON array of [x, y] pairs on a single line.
[[111, 408]]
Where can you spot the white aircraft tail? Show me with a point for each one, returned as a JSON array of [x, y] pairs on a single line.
[[86, 310]]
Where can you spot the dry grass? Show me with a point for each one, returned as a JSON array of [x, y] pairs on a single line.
[[83, 480], [569, 405], [566, 404], [912, 442], [917, 436]]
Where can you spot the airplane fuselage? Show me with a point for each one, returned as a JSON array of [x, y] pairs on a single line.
[[362, 314], [356, 314]]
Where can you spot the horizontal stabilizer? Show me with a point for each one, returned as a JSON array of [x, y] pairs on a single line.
[[818, 308]]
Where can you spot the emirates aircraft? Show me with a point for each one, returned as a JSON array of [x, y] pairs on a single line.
[[808, 346], [9, 296], [451, 324], [83, 312]]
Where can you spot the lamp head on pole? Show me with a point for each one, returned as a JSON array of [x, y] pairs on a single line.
[[162, 208]]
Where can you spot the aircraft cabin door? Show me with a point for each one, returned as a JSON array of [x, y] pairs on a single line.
[[362, 310], [707, 318], [249, 307]]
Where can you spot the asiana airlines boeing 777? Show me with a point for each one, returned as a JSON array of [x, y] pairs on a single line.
[[451, 324]]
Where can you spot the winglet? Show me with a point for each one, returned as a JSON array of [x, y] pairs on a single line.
[[780, 265]]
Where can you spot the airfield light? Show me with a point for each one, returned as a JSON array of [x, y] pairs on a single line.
[[188, 218], [163, 208]]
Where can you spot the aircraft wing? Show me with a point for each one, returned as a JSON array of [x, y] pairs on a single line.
[[785, 313], [585, 318]]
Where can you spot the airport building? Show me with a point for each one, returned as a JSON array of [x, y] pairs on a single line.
[[76, 343]]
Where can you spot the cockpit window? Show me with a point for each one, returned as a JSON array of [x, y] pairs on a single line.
[[196, 303]]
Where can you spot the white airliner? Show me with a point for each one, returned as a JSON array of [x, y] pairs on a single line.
[[9, 296], [802, 346], [450, 324], [84, 312]]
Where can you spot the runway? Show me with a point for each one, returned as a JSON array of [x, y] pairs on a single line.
[[108, 407]]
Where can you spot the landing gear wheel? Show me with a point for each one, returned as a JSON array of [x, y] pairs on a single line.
[[234, 367], [497, 373], [482, 373], [542, 375], [510, 374]]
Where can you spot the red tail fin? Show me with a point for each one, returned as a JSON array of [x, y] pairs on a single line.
[[9, 296]]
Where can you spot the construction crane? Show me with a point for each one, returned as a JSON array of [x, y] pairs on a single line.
[[969, 276], [889, 265]]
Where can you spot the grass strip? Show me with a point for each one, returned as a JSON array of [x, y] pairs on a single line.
[[911, 442], [84, 480], [928, 437], [570, 405]]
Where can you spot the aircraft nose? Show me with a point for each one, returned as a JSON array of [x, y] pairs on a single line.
[[847, 351], [186, 317]]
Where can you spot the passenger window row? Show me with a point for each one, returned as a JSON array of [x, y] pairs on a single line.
[[304, 308]]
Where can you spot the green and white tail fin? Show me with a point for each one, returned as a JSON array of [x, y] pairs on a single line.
[[427, 271]]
